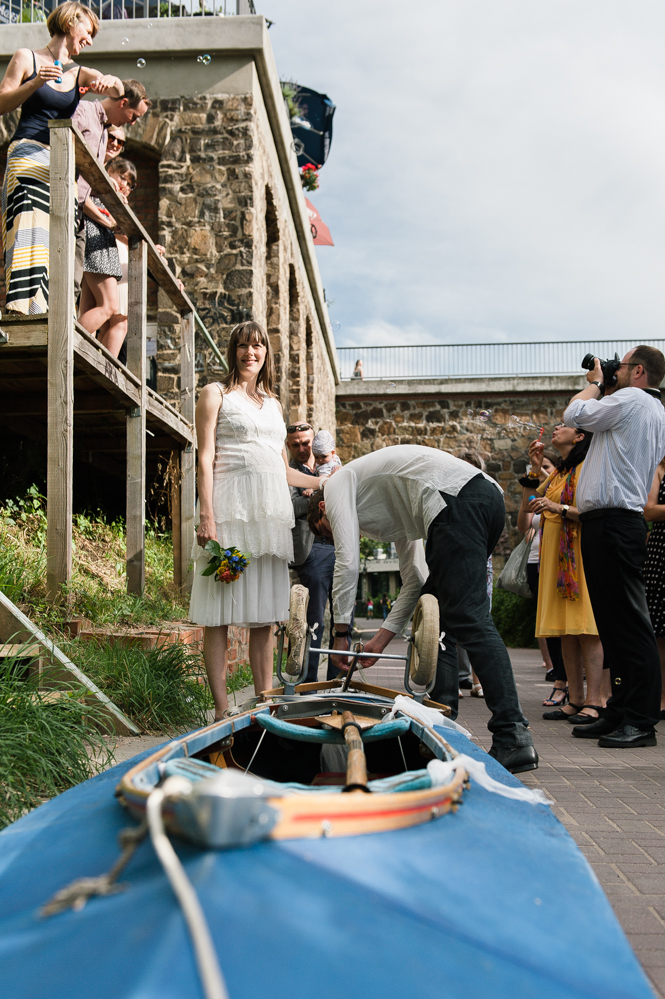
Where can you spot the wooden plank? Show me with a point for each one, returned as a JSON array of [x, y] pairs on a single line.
[[136, 449], [188, 456], [35, 404], [106, 354], [16, 627], [25, 335], [168, 419], [60, 465], [112, 377], [128, 223]]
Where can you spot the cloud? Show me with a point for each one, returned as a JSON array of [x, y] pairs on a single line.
[[497, 170]]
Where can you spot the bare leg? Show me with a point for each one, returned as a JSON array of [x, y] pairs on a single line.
[[104, 290], [113, 334], [592, 654], [216, 659], [260, 657], [545, 653], [661, 650], [571, 650]]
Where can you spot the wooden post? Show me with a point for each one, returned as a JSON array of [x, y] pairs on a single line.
[[136, 449], [60, 467], [179, 571], [187, 457]]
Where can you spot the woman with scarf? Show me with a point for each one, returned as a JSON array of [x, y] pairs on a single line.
[[564, 608]]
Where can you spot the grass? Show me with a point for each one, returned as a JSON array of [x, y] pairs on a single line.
[[98, 587], [45, 748], [158, 688]]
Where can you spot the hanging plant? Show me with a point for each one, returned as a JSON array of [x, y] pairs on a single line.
[[309, 177], [290, 91]]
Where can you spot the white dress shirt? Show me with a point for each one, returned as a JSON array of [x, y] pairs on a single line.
[[628, 444], [390, 495]]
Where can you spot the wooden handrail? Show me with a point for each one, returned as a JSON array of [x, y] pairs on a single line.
[[100, 182]]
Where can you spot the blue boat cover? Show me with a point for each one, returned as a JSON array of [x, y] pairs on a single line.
[[493, 902]]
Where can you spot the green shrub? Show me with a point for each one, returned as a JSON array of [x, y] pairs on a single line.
[[158, 688], [515, 619], [46, 746]]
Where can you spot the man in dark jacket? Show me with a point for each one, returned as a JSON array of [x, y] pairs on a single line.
[[313, 557]]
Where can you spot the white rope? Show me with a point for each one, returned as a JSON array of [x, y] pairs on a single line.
[[206, 958]]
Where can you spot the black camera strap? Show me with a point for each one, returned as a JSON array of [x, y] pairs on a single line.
[[656, 393]]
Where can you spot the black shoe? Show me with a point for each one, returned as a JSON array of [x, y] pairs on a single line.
[[580, 719], [628, 737], [549, 676], [600, 726], [466, 683], [518, 759]]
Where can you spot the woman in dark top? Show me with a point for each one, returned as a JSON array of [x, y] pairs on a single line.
[[45, 85], [654, 567]]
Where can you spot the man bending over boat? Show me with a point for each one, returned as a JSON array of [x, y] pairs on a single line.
[[407, 494]]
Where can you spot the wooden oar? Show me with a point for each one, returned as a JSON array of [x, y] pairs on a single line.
[[356, 765]]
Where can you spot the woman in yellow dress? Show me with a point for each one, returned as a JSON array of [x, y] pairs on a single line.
[[564, 608]]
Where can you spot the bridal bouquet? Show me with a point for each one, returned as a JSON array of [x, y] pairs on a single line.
[[227, 564]]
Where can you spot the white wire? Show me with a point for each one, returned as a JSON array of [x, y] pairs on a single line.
[[212, 979]]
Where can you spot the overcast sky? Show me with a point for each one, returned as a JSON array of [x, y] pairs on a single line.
[[497, 169]]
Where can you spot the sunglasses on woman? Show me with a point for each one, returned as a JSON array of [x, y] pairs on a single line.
[[114, 140]]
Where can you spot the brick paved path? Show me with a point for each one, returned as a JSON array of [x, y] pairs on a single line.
[[611, 801]]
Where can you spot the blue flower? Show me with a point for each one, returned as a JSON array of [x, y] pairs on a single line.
[[227, 553]]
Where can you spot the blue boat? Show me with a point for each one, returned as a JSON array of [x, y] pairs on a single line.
[[480, 896]]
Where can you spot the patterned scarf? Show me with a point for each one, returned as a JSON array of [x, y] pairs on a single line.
[[566, 582]]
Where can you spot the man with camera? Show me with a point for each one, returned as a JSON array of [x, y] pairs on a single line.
[[622, 407]]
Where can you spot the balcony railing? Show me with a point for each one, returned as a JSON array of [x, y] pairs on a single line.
[[27, 11], [480, 360]]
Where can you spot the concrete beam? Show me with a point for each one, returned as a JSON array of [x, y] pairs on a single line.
[[485, 387]]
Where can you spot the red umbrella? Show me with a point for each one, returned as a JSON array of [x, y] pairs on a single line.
[[320, 231]]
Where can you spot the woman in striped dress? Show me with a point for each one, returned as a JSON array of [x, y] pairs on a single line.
[[45, 85]]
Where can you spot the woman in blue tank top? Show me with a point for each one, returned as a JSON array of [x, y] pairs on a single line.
[[45, 85]]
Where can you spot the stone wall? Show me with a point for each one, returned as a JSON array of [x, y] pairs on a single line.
[[371, 421], [225, 221]]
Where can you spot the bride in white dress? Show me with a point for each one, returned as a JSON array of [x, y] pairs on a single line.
[[244, 500]]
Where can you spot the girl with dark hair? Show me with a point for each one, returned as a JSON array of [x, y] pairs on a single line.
[[564, 607], [244, 502]]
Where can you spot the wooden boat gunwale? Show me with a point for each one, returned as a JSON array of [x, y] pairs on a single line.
[[319, 814]]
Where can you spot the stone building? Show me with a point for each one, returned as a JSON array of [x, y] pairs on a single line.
[[446, 414], [219, 187]]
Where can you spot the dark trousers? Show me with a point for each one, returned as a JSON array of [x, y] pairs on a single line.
[[614, 550], [459, 542], [316, 573], [553, 643]]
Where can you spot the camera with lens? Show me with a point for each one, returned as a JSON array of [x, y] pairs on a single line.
[[609, 368]]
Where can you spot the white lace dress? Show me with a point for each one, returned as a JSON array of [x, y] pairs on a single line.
[[253, 512]]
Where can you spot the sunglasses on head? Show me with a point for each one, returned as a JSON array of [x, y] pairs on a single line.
[[297, 427]]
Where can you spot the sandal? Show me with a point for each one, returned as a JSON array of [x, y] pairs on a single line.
[[560, 715], [581, 719], [551, 702], [477, 690]]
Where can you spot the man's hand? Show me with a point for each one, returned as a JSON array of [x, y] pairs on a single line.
[[376, 644], [341, 662], [597, 374]]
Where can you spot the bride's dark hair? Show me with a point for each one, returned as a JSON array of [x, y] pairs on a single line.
[[250, 332]]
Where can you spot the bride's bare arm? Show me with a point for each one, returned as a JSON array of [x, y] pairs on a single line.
[[296, 478], [207, 411]]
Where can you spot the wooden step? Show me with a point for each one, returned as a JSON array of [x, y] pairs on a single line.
[[24, 650]]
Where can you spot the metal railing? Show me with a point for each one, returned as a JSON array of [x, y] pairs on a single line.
[[27, 11], [486, 360]]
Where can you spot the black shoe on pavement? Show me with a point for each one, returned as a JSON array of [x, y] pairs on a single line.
[[628, 737], [466, 683], [518, 759], [601, 726]]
